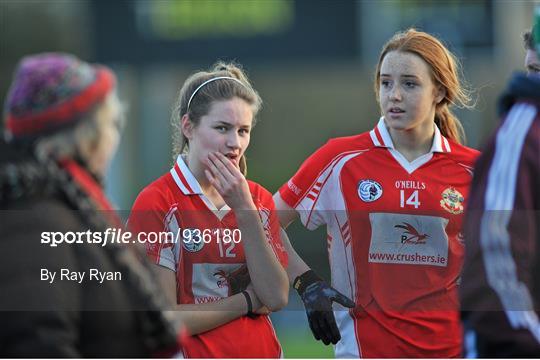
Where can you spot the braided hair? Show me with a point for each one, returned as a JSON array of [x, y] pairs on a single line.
[[44, 176]]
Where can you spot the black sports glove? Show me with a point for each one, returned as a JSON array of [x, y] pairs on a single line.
[[318, 296]]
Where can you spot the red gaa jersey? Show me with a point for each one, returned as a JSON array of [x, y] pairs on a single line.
[[394, 240], [205, 251]]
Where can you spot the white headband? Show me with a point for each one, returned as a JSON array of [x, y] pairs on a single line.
[[209, 81]]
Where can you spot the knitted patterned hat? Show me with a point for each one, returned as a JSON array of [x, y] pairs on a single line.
[[52, 91]]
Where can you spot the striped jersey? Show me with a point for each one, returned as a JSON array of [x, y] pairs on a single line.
[[205, 251], [500, 292], [394, 239]]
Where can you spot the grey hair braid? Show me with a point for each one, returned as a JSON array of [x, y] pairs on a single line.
[[156, 326], [45, 176]]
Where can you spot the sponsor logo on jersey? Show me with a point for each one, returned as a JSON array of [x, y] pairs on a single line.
[[235, 281], [214, 281], [408, 239], [207, 299], [192, 240], [410, 235], [452, 201], [222, 277], [369, 190]]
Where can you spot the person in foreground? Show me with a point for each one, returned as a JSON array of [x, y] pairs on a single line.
[[392, 200], [226, 268], [62, 127], [500, 290]]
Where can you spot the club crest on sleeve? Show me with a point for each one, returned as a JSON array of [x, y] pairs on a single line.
[[369, 190], [192, 240], [452, 201]]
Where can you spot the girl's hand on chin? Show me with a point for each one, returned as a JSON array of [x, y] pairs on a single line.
[[229, 182]]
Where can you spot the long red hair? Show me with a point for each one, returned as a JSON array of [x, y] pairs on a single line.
[[444, 72]]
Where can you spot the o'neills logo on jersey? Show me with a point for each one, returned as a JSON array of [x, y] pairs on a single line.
[[369, 190], [452, 201], [192, 240], [410, 184], [295, 189]]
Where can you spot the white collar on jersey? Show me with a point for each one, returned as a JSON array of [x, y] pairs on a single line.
[[184, 178], [381, 138]]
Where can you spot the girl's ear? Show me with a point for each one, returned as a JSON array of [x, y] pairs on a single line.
[[187, 127], [440, 94]]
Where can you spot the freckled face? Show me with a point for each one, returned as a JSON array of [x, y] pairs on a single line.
[[408, 96]]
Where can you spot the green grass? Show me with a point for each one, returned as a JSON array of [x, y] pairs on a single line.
[[301, 344]]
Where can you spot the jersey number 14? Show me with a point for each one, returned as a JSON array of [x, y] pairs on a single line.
[[412, 200]]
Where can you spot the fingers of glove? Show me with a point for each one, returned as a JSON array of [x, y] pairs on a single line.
[[324, 331], [332, 329], [317, 301], [342, 299], [314, 329]]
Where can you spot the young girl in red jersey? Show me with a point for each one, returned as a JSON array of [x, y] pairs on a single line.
[[392, 200], [227, 227]]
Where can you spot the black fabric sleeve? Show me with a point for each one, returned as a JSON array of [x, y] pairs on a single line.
[[39, 319]]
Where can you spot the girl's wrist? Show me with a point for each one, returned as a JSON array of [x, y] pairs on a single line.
[[249, 302], [246, 206]]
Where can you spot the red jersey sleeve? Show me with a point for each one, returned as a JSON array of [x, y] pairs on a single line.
[[270, 222], [303, 182], [307, 191], [151, 214]]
